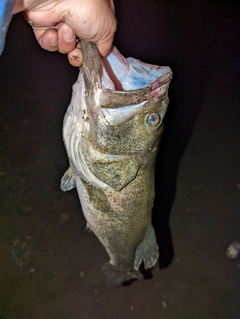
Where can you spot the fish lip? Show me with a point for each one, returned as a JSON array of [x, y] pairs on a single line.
[[109, 98]]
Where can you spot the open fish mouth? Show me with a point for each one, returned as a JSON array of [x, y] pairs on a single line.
[[121, 82], [135, 83]]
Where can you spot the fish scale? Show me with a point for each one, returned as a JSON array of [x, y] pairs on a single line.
[[112, 149]]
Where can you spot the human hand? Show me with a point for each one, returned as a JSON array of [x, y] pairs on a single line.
[[57, 23]]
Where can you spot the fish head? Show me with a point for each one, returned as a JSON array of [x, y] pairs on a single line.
[[117, 113], [129, 119]]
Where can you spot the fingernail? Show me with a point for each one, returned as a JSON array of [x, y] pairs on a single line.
[[53, 37], [68, 35], [54, 43]]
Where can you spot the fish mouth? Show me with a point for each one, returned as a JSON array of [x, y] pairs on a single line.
[[113, 99], [116, 81], [133, 84]]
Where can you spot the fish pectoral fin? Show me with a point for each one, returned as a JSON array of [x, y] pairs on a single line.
[[116, 276], [68, 180], [116, 172], [147, 251]]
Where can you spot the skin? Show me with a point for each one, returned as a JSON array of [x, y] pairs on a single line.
[[57, 23]]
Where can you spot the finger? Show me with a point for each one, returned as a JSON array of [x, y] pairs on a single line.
[[105, 43], [105, 46], [75, 57], [48, 39], [66, 39]]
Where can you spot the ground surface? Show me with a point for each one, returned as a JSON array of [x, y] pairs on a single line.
[[50, 268]]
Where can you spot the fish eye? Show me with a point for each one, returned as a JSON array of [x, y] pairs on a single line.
[[152, 119]]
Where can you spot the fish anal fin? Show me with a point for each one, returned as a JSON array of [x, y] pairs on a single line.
[[147, 250], [68, 180]]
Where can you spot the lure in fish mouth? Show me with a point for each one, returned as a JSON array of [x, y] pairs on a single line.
[[111, 131]]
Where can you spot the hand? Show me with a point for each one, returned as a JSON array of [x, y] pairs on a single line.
[[56, 23]]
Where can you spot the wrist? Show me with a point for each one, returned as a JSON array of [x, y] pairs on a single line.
[[18, 6]]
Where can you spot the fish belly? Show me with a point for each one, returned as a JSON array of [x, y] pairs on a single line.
[[122, 222]]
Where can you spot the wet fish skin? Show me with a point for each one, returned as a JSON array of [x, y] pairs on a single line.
[[112, 149]]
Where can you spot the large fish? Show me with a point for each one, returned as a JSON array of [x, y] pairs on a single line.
[[111, 131]]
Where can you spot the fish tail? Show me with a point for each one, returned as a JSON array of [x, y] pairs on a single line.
[[116, 276], [147, 251]]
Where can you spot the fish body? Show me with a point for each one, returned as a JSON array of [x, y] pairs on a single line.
[[111, 137]]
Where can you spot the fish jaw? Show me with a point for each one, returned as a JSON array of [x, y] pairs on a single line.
[[116, 82]]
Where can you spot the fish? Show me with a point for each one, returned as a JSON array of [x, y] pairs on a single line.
[[111, 131]]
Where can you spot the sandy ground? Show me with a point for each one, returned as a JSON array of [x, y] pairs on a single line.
[[49, 266]]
